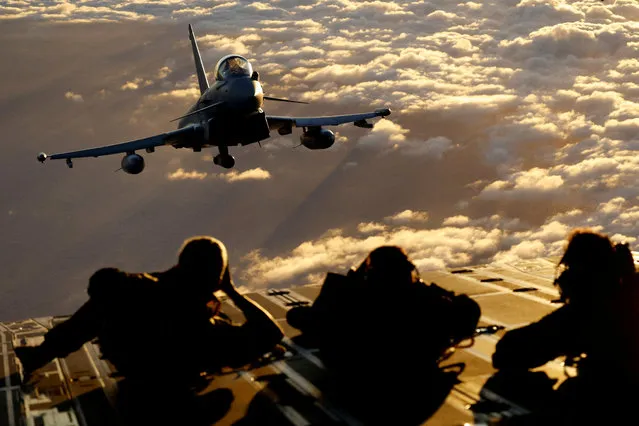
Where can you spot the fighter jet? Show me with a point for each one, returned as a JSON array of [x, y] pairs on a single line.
[[228, 113]]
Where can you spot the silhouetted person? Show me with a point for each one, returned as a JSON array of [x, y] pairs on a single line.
[[149, 323], [626, 265], [598, 326], [380, 324]]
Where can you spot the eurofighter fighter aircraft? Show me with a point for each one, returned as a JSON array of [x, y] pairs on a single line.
[[228, 113]]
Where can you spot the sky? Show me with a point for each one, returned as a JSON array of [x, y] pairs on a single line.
[[513, 122]]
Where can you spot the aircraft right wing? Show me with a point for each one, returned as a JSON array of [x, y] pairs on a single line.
[[276, 123], [177, 138]]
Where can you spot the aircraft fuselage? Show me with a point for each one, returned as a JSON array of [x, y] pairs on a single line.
[[227, 113], [233, 121]]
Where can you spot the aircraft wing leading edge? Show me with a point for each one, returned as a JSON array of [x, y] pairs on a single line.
[[276, 122], [176, 138]]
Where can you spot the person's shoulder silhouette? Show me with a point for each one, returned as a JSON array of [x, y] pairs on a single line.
[[591, 285], [135, 316], [384, 300]]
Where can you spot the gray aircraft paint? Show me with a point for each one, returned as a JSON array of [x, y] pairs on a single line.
[[228, 113]]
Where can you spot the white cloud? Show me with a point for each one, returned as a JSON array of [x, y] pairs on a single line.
[[537, 179], [456, 221], [385, 135], [129, 85], [90, 11], [511, 102], [461, 241], [252, 174], [408, 216], [224, 44], [163, 72], [388, 136], [138, 82], [191, 93], [181, 174], [542, 93], [429, 249], [523, 250], [75, 97], [550, 232], [232, 176], [534, 182], [433, 147], [370, 227], [533, 87], [591, 168]]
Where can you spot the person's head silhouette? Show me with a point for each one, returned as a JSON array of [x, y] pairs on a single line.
[[590, 266], [625, 263], [204, 260], [389, 266]]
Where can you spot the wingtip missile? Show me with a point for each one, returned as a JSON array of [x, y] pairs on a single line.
[[363, 124], [383, 112], [42, 157]]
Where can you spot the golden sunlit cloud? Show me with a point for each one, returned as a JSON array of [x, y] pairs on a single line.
[[75, 97], [181, 174], [252, 174], [494, 104], [408, 216]]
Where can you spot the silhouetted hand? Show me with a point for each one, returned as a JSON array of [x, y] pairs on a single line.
[[226, 285], [262, 330], [214, 306]]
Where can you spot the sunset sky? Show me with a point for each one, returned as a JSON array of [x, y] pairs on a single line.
[[513, 122]]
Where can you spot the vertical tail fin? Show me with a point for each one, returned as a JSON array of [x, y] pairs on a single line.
[[199, 67]]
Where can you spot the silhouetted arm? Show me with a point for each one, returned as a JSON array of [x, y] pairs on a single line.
[[259, 334], [84, 324], [536, 344], [256, 316]]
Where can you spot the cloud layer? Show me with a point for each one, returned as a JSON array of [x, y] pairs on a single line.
[[232, 176], [457, 241], [513, 122]]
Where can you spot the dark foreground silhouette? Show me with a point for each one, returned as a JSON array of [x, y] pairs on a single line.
[[137, 404], [576, 401], [378, 318], [596, 330], [383, 314], [382, 333], [188, 330], [407, 400]]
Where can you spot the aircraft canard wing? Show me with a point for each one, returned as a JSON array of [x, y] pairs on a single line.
[[177, 138], [276, 122]]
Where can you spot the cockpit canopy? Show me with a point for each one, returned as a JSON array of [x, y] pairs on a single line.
[[232, 66]]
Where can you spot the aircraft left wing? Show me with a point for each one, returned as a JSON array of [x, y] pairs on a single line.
[[276, 123], [177, 138]]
